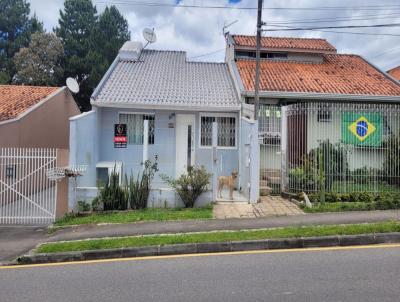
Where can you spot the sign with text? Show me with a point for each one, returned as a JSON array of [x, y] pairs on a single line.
[[120, 139]]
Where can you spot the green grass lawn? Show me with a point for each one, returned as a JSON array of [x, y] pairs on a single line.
[[151, 214], [287, 232]]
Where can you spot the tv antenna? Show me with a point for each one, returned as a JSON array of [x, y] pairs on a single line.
[[224, 31], [72, 85]]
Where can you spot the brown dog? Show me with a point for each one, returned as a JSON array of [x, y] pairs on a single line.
[[229, 181]]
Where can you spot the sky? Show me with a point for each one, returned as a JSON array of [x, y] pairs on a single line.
[[199, 31]]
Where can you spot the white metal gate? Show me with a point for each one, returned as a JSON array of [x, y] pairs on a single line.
[[269, 127], [27, 196]]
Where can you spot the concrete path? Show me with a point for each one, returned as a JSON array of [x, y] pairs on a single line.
[[15, 241], [267, 207]]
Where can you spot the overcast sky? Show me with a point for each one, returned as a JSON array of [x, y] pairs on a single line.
[[199, 31]]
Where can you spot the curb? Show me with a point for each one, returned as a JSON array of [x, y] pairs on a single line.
[[214, 247]]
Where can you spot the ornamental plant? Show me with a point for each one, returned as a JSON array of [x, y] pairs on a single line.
[[190, 185]]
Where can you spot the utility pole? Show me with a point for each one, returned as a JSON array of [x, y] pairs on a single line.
[[258, 46]]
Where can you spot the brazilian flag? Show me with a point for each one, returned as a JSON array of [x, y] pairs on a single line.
[[362, 129]]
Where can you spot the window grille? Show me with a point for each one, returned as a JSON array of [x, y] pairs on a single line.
[[226, 131], [134, 127]]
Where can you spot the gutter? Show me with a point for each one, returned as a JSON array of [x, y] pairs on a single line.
[[165, 107], [325, 96]]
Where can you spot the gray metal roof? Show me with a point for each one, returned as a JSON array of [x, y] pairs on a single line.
[[166, 78]]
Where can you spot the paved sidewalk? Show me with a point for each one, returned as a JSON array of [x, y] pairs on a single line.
[[267, 207], [15, 241]]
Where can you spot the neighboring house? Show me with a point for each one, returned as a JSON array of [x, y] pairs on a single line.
[[35, 117], [34, 140], [179, 99], [309, 95], [395, 72]]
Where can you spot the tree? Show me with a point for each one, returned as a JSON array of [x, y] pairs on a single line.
[[111, 33], [90, 43], [16, 28], [40, 62], [76, 30]]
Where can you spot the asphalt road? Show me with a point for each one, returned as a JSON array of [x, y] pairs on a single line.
[[370, 274]]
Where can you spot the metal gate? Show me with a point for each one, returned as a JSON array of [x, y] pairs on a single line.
[[27, 196], [269, 127], [341, 147]]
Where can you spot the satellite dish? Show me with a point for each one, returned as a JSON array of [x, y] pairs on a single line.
[[149, 35], [72, 85]]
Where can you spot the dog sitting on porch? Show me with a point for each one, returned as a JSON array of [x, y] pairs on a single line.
[[229, 181]]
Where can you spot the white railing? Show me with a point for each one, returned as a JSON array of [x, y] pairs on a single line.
[[27, 196]]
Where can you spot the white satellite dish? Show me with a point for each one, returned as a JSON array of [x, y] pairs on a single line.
[[72, 85], [149, 35]]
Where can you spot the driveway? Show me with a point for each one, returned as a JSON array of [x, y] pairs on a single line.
[[17, 240]]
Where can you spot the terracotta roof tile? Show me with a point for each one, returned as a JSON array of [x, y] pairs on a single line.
[[285, 43], [15, 100], [395, 72], [338, 74]]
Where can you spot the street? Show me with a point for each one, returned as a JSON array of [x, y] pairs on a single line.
[[332, 274]]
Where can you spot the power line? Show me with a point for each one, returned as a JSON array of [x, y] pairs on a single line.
[[331, 19], [385, 52], [332, 27], [207, 54], [322, 8], [389, 16]]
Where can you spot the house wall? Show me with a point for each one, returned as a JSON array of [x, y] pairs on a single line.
[[45, 126], [99, 126], [357, 157]]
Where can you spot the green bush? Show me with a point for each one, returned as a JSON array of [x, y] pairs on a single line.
[[83, 206], [112, 195], [190, 185], [139, 188]]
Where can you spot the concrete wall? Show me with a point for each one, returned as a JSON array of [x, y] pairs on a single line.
[[92, 142], [250, 160], [45, 126]]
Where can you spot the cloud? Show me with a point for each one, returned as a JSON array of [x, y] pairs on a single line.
[[199, 31]]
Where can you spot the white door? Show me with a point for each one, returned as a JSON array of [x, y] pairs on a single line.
[[184, 142]]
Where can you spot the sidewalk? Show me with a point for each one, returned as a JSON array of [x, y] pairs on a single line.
[[17, 241]]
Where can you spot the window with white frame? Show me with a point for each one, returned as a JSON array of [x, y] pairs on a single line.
[[226, 130], [134, 127]]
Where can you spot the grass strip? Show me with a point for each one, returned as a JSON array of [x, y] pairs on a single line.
[[153, 214], [350, 206], [338, 207], [220, 236]]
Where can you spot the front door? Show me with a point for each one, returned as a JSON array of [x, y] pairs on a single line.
[[184, 142]]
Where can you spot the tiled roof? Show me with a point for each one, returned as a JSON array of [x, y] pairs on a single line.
[[338, 74], [395, 72], [285, 43], [15, 100], [166, 78]]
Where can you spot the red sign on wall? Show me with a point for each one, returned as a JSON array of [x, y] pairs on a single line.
[[120, 139]]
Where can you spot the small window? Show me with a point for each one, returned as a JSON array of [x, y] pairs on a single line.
[[274, 55], [11, 171], [324, 115], [226, 131], [134, 127], [102, 176]]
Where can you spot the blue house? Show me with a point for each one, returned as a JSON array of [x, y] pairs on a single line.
[[180, 100]]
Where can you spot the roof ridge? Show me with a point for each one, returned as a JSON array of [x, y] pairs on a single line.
[[29, 86], [271, 37]]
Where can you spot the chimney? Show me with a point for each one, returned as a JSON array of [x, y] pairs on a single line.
[[130, 51]]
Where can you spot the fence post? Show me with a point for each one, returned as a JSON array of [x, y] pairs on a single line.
[[145, 142], [214, 160]]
